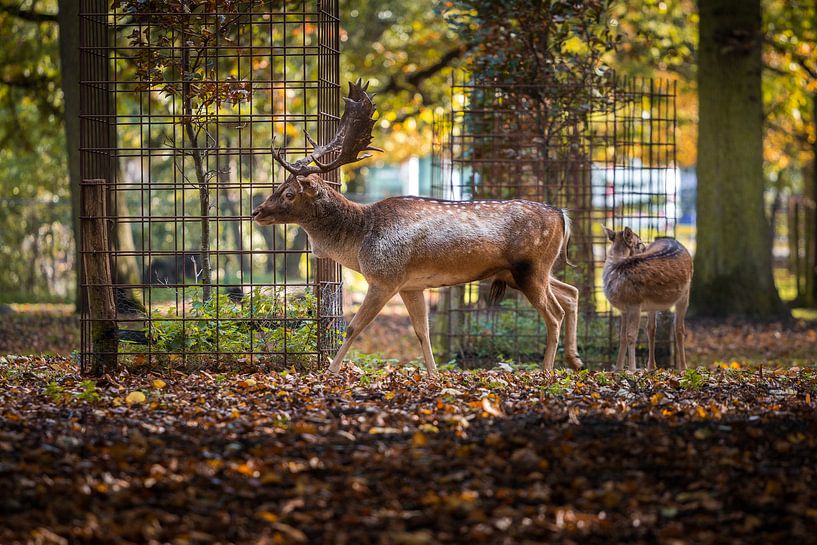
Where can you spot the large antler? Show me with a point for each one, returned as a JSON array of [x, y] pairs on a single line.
[[353, 137]]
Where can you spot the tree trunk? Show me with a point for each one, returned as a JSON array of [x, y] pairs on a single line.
[[733, 269], [97, 268], [810, 194], [68, 19]]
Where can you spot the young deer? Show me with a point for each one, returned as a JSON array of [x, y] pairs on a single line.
[[652, 279], [408, 244]]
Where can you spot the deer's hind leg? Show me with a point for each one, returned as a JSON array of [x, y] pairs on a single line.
[[651, 318], [568, 297], [536, 287], [680, 331], [418, 312]]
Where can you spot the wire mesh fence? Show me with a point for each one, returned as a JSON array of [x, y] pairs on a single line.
[[610, 161], [179, 109]]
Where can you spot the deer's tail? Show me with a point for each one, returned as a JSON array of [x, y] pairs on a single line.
[[566, 238]]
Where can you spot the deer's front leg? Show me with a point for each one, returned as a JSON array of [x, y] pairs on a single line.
[[418, 312], [376, 298]]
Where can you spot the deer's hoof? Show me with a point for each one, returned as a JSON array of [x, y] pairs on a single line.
[[575, 363]]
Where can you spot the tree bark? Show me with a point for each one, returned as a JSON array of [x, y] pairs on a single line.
[[69, 68], [733, 268], [810, 191], [97, 266]]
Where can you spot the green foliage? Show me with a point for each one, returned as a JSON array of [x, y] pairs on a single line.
[[563, 45], [55, 391], [89, 391], [35, 214], [264, 321], [693, 379]]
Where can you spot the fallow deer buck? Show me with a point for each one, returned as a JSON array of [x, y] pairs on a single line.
[[408, 244], [652, 278]]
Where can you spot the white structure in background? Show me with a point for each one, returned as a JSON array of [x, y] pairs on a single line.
[[410, 176], [630, 188]]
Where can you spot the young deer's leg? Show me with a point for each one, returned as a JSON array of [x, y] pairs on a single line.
[[651, 340], [376, 298], [416, 305], [568, 297], [622, 342], [680, 330], [633, 324], [537, 291]]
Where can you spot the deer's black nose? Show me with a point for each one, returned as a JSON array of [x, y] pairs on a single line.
[[256, 212]]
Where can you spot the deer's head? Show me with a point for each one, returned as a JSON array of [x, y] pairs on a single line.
[[625, 242], [295, 199], [292, 201]]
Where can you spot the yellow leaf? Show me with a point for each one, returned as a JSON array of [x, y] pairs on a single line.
[[418, 439], [389, 396], [135, 398], [656, 399], [245, 469], [251, 382], [159, 383], [267, 516], [701, 412], [489, 408], [734, 365]]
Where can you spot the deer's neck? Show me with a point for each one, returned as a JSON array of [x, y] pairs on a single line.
[[337, 228]]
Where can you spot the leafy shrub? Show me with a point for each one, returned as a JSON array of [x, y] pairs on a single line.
[[264, 321]]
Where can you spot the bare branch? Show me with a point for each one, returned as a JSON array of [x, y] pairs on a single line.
[[28, 15]]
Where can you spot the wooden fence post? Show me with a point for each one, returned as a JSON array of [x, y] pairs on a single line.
[[96, 251]]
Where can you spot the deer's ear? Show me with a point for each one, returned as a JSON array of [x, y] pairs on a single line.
[[609, 233], [629, 237], [309, 185]]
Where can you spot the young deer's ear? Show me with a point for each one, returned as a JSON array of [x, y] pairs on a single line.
[[609, 233], [309, 185], [629, 236]]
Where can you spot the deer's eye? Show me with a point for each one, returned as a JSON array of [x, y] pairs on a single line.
[[289, 195]]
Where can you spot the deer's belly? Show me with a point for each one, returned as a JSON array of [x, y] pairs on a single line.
[[420, 280]]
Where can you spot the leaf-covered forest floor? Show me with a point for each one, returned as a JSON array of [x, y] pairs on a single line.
[[52, 329], [721, 454], [387, 456]]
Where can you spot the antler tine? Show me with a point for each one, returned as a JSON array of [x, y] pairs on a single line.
[[354, 133], [309, 139], [354, 136], [276, 153]]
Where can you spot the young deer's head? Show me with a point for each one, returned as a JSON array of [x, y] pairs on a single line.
[[298, 199], [625, 242]]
